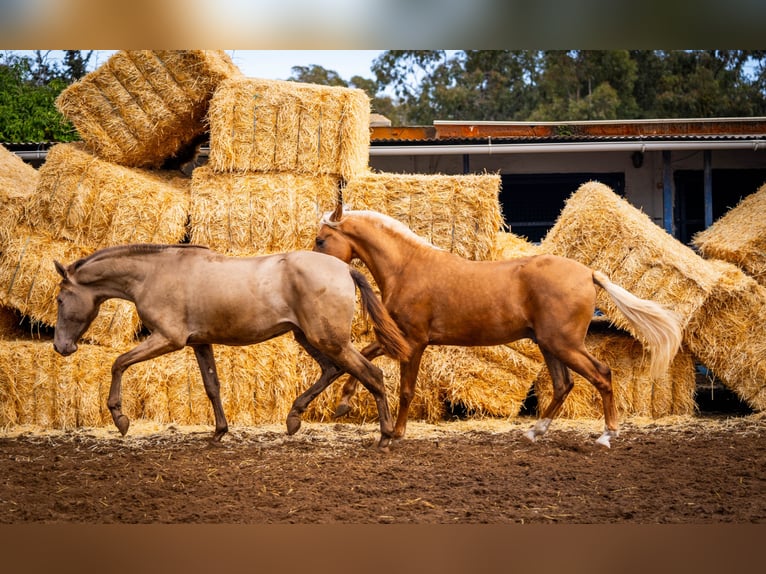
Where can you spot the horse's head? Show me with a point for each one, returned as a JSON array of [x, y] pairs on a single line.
[[77, 307], [331, 240]]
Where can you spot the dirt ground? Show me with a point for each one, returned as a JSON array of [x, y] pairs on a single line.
[[707, 469]]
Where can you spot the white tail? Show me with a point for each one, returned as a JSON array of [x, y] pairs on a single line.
[[659, 327]]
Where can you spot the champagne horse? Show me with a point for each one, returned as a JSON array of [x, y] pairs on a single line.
[[439, 298], [188, 295]]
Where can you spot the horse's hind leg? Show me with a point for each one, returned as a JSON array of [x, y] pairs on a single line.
[[562, 384], [206, 362], [330, 372], [370, 352], [600, 376], [353, 362]]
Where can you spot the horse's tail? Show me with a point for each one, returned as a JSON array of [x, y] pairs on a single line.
[[659, 327], [387, 331]]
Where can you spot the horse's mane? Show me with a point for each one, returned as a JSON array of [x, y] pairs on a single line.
[[126, 250], [386, 222]]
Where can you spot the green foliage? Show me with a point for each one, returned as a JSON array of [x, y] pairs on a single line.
[[502, 85], [29, 87]]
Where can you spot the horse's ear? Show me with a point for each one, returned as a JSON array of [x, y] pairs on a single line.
[[337, 215], [61, 269]]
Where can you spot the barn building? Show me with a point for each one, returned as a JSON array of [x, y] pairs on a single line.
[[684, 173]]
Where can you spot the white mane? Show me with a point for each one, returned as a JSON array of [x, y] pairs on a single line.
[[384, 221]]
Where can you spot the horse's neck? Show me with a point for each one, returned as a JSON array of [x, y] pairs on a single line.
[[387, 255], [110, 279]]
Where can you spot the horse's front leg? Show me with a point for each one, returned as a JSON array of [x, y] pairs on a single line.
[[153, 346], [370, 352], [206, 362], [408, 378]]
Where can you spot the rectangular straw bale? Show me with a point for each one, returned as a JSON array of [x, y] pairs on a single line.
[[278, 126], [739, 237], [97, 203], [458, 213], [727, 333], [254, 213], [39, 387], [29, 283], [605, 232], [635, 392], [143, 106]]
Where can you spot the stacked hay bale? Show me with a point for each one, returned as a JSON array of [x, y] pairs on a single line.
[[717, 304], [739, 237], [145, 106], [278, 152]]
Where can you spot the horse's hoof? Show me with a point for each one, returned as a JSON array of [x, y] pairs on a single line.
[[384, 446], [123, 424], [293, 424], [530, 435], [604, 440], [341, 410], [218, 435]]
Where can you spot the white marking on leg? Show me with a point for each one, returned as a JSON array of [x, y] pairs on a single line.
[[605, 438], [540, 428]]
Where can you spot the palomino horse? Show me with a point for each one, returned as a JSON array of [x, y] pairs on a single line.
[[189, 295], [438, 298]]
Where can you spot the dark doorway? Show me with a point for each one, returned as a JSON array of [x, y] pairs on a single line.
[[531, 203], [729, 187]]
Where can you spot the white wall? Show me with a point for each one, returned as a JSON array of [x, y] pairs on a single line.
[[643, 186]]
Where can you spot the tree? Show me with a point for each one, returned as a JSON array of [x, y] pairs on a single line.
[[29, 86], [316, 74]]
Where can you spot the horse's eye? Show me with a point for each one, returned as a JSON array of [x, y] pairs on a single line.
[[319, 242]]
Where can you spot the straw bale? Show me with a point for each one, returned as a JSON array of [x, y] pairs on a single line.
[[636, 393], [29, 282], [510, 246], [605, 232], [727, 333], [96, 203], [278, 126], [39, 387], [18, 181], [739, 237], [458, 213], [255, 214], [143, 106]]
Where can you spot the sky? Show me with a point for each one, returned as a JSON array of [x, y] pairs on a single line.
[[277, 64]]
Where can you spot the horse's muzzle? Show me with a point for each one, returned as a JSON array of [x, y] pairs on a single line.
[[66, 349]]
